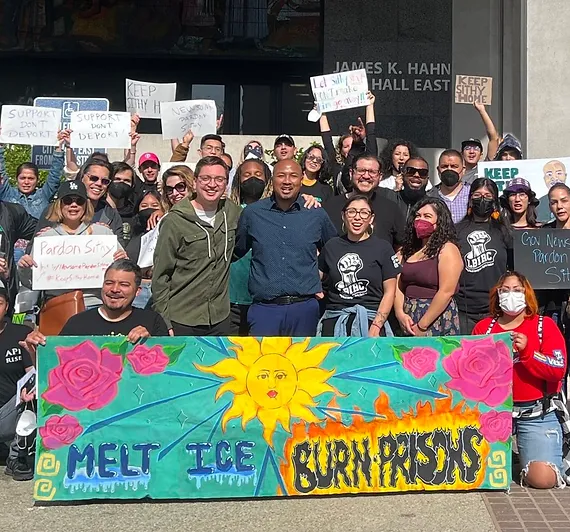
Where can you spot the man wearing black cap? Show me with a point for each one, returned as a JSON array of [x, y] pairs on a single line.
[[472, 151], [284, 147]]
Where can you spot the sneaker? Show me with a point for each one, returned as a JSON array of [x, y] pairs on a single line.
[[22, 471], [10, 465]]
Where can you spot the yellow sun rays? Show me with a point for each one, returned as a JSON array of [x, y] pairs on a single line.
[[273, 381]]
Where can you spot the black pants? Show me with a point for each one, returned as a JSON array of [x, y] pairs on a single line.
[[218, 329], [468, 320], [238, 320]]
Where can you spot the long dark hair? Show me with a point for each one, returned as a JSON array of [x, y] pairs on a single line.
[[444, 232], [324, 173], [531, 218], [388, 151]]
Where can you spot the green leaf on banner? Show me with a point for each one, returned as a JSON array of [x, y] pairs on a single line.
[[49, 409], [117, 348], [397, 350], [508, 404], [448, 345], [173, 352]]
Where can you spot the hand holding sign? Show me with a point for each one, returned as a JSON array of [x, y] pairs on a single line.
[[473, 89], [180, 117], [23, 124], [343, 90]]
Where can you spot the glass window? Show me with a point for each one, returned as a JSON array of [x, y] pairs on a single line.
[[255, 110]]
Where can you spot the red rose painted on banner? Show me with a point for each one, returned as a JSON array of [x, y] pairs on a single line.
[[59, 431], [481, 370], [496, 426], [147, 361], [420, 361], [86, 377]]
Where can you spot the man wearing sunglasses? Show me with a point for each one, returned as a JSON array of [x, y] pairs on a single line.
[[416, 179]]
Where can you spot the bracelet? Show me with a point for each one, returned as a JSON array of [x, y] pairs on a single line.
[[421, 328], [374, 323]]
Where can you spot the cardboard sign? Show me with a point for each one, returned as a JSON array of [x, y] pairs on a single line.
[[473, 89], [540, 173], [71, 261], [177, 118], [343, 90], [543, 257], [109, 129], [24, 124], [144, 98], [212, 418], [148, 245]]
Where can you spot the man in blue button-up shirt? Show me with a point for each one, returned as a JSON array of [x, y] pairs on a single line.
[[285, 238]]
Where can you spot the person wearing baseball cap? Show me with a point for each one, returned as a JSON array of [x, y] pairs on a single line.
[[472, 152], [519, 203], [284, 147], [149, 167]]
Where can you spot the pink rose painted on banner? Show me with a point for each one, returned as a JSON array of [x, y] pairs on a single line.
[[496, 426], [147, 361], [481, 370], [86, 377], [420, 361], [59, 431]]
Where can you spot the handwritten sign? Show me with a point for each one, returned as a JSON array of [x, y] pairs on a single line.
[[71, 261], [178, 118], [543, 256], [148, 245], [23, 124], [144, 98], [473, 89], [108, 129], [343, 90]]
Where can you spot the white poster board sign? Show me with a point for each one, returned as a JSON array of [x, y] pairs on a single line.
[[71, 262], [105, 129], [177, 118], [540, 173], [148, 245], [144, 98], [24, 124], [343, 90]]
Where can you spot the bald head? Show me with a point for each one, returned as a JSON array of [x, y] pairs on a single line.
[[287, 178]]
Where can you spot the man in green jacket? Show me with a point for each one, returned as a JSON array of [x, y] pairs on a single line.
[[193, 255]]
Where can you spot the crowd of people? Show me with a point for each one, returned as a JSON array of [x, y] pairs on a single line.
[[342, 242]]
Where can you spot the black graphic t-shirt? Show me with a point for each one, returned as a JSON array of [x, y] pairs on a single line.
[[321, 191], [486, 254], [356, 271], [13, 359], [91, 323]]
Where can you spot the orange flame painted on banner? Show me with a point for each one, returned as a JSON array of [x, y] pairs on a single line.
[[459, 424]]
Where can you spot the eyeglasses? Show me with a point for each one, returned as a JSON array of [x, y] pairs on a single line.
[[351, 212], [516, 290], [412, 171], [475, 147], [78, 200], [315, 159], [477, 195], [205, 179], [363, 171], [94, 178], [179, 187]]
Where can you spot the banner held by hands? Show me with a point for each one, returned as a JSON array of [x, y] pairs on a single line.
[[144, 98]]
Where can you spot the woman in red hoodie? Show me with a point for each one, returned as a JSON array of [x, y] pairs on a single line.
[[539, 353]]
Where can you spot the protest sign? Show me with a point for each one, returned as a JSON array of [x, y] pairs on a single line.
[[148, 245], [343, 90], [210, 418], [473, 89], [540, 173], [542, 256], [24, 124], [42, 155], [71, 261], [109, 129], [144, 98], [177, 118]]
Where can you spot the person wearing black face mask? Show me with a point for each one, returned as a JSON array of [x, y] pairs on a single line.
[[486, 247], [452, 190], [120, 195], [416, 179]]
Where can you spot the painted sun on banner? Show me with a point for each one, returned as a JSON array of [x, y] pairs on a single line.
[[247, 417]]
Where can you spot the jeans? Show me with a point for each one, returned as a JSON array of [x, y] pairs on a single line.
[[9, 414], [238, 320], [142, 299], [296, 319]]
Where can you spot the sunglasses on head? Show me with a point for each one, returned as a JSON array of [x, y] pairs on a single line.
[[179, 187], [78, 200], [412, 171], [94, 178]]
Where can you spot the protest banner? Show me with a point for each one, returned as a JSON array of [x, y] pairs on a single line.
[[343, 90], [144, 98], [177, 118], [42, 155], [543, 257], [24, 124], [109, 129], [473, 89], [210, 418], [71, 261], [540, 173]]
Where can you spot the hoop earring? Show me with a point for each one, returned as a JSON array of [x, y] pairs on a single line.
[[469, 211], [343, 228], [371, 228], [496, 215]]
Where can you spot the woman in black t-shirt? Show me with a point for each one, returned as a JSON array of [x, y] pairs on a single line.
[[486, 246], [361, 273]]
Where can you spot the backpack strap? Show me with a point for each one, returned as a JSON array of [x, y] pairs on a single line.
[[540, 329], [491, 325]]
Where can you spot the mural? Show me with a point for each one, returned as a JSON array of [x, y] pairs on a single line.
[[250, 417], [198, 27]]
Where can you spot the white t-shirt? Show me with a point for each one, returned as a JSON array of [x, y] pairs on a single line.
[[207, 217]]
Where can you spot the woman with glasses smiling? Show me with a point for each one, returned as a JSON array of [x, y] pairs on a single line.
[[360, 275], [315, 174]]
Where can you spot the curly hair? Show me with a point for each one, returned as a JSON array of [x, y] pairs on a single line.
[[444, 231], [340, 158], [235, 189], [388, 151], [324, 174]]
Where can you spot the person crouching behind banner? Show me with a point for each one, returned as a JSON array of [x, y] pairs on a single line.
[[539, 367], [361, 276]]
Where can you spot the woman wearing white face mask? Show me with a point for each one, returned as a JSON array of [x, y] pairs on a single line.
[[539, 367]]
